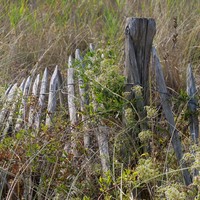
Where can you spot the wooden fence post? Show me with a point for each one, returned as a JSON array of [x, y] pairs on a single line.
[[139, 34], [42, 96], [164, 96]]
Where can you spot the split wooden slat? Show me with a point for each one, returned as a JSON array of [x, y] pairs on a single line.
[[42, 97], [22, 117], [71, 105], [52, 101], [164, 96], [71, 92], [33, 101]]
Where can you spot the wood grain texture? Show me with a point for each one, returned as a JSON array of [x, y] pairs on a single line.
[[139, 34]]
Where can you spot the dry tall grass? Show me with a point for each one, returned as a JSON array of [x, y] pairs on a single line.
[[48, 31], [44, 33]]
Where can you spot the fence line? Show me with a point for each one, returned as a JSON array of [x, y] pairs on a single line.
[[36, 100]]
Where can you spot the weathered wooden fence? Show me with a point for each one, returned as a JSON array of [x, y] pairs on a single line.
[[36, 99]]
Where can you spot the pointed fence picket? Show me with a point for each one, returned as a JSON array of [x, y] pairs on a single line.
[[54, 87], [41, 101], [33, 100]]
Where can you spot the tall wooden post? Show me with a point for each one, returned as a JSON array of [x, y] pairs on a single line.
[[139, 34]]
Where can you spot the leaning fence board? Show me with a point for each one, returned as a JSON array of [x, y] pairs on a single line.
[[42, 97], [33, 100], [164, 96], [192, 105]]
